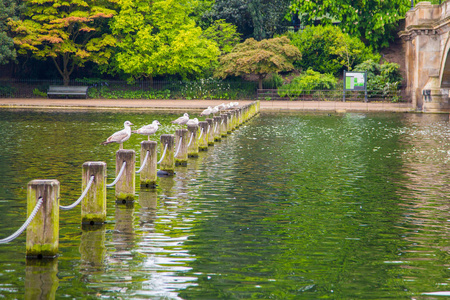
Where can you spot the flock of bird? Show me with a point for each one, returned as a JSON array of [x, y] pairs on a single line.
[[123, 135]]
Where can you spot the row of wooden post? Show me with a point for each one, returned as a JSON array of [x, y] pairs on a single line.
[[43, 232]]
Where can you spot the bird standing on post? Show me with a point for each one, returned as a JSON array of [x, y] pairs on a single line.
[[182, 120], [120, 136], [206, 112], [148, 129], [193, 121]]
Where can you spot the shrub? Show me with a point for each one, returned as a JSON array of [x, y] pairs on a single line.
[[307, 82]]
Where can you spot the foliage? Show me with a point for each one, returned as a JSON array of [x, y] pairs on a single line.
[[160, 39], [307, 82], [326, 49], [39, 93], [272, 82], [382, 79], [373, 20], [69, 33], [224, 34], [260, 19], [8, 9], [259, 58]]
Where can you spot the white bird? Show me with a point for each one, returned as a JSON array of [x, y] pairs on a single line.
[[215, 110], [193, 121], [181, 120], [207, 111], [222, 106], [120, 136], [148, 129]]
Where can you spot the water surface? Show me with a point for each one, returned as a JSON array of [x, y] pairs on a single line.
[[291, 206]]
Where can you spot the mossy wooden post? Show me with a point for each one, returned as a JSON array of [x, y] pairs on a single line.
[[181, 147], [43, 231], [203, 138], [229, 121], [210, 131], [93, 205], [148, 175], [167, 165], [223, 125], [216, 129], [192, 139], [125, 187]]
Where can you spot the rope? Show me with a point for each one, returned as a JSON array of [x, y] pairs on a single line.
[[190, 141], [144, 163], [179, 146], [222, 121], [25, 225], [201, 133], [164, 154], [215, 128], [88, 186], [118, 176]]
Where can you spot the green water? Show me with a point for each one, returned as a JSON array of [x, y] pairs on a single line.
[[291, 206]]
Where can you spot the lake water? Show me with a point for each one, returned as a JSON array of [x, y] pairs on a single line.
[[290, 206]]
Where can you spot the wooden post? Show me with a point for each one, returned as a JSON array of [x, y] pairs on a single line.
[[43, 231], [203, 138], [167, 165], [216, 129], [125, 187], [181, 143], [223, 125], [148, 175], [229, 120], [192, 138], [210, 131], [93, 205]]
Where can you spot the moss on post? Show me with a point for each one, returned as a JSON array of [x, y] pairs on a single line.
[[223, 125], [148, 175], [181, 147], [125, 187], [192, 139], [93, 206], [210, 131], [216, 129], [167, 165], [43, 231], [203, 138]]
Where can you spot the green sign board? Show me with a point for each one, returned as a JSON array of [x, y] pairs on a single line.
[[355, 81]]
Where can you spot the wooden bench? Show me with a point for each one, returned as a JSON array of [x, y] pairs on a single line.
[[72, 91]]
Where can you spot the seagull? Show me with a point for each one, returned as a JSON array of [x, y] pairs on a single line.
[[193, 121], [181, 120], [120, 136], [215, 110], [222, 106], [148, 129], [207, 111]]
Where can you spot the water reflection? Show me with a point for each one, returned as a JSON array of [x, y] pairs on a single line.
[[41, 280]]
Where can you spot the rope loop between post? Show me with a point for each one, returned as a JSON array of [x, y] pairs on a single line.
[[164, 154], [118, 176], [88, 186], [25, 225], [144, 163], [201, 133], [179, 146], [190, 141], [215, 128]]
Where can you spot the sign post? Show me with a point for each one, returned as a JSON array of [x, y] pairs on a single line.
[[355, 81]]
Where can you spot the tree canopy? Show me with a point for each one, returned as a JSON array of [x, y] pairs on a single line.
[[67, 32], [259, 58], [373, 20], [160, 39], [9, 9]]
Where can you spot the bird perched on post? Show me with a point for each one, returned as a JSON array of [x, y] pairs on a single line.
[[193, 121], [120, 136], [181, 120], [206, 112], [148, 129]]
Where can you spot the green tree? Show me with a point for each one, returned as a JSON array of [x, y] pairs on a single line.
[[224, 34], [9, 9], [160, 39], [326, 49], [259, 58], [70, 33], [373, 20], [260, 19]]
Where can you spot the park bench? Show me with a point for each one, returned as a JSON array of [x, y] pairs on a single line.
[[72, 91]]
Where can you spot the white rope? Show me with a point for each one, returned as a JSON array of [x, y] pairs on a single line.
[[201, 133], [215, 129], [164, 154], [179, 146], [222, 121], [88, 186], [144, 163], [25, 225], [190, 141], [118, 176]]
